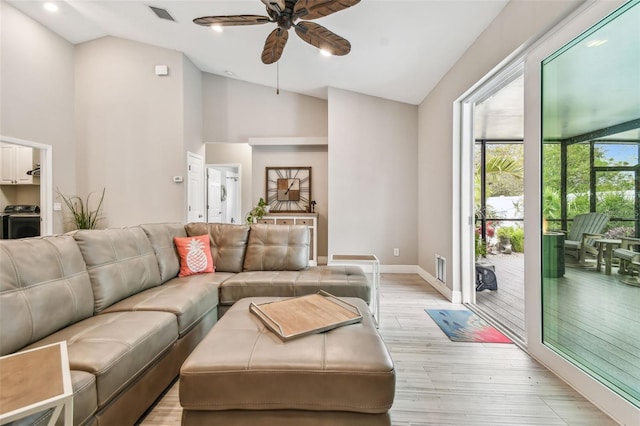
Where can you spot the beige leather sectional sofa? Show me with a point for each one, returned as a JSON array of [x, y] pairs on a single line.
[[129, 322]]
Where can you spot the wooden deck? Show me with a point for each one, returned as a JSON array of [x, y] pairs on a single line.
[[506, 305], [590, 317], [440, 382]]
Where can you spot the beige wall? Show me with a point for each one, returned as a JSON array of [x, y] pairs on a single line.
[[235, 110], [294, 156], [518, 22], [373, 174], [132, 126], [234, 153], [192, 107], [37, 91]]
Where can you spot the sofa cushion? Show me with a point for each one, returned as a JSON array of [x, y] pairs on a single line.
[[228, 243], [116, 347], [85, 396], [258, 284], [44, 286], [189, 299], [161, 237], [121, 262], [195, 255], [341, 281], [277, 248]]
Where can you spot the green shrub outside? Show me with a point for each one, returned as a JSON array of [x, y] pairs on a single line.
[[515, 235], [517, 240]]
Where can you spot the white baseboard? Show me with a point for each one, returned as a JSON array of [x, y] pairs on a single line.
[[399, 269], [452, 296]]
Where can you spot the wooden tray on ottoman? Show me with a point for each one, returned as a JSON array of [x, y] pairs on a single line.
[[299, 316]]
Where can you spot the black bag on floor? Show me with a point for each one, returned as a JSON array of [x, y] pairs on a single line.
[[485, 279]]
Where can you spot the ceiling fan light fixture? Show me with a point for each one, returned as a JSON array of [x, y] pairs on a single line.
[[326, 53], [50, 7], [217, 28], [285, 14]]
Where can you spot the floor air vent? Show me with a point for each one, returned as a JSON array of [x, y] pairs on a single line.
[[162, 13], [441, 269]]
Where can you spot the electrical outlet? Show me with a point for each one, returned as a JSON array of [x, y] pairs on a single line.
[[396, 252], [57, 207]]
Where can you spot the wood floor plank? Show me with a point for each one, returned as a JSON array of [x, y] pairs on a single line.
[[591, 317], [440, 382]]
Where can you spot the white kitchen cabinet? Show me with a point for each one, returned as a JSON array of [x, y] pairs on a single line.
[[308, 219], [15, 162]]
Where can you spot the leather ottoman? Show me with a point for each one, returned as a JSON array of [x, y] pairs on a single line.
[[241, 373]]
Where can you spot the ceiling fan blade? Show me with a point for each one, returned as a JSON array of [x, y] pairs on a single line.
[[313, 9], [275, 5], [320, 37], [223, 21], [274, 45]]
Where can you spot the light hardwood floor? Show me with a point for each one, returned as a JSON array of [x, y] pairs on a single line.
[[589, 316], [440, 382]]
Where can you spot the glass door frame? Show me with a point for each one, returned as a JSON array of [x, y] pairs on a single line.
[[611, 403]]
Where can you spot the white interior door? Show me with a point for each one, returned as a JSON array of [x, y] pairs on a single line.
[[214, 198], [195, 188]]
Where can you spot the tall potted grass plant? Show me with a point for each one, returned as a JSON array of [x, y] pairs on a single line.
[[82, 216]]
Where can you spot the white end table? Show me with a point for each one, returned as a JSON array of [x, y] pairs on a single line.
[[373, 264], [36, 380]]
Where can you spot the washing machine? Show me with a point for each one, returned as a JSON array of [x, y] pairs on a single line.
[[20, 221]]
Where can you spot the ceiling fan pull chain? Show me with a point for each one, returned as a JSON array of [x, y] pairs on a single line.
[[278, 78]]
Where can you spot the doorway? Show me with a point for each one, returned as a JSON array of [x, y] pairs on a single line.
[[195, 188], [42, 195], [224, 193], [492, 144]]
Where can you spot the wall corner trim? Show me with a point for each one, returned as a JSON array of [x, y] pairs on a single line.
[[284, 141]]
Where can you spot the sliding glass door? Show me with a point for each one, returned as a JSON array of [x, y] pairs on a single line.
[[591, 199]]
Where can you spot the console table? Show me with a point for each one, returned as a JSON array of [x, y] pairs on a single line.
[[372, 265], [308, 219], [34, 381]]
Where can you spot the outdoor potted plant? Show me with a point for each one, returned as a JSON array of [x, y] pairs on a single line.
[[481, 247], [504, 236]]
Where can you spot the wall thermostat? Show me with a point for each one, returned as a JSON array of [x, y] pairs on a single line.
[[178, 179], [162, 70]]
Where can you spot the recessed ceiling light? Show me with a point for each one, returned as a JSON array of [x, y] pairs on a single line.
[[51, 7], [596, 42], [217, 28], [325, 52]]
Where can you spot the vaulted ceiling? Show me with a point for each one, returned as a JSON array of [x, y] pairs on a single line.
[[400, 49]]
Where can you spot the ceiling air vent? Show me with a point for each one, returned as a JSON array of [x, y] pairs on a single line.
[[162, 13]]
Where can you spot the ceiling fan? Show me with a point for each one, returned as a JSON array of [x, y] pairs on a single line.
[[286, 13]]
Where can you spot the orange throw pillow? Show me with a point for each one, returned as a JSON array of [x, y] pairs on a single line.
[[195, 255]]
